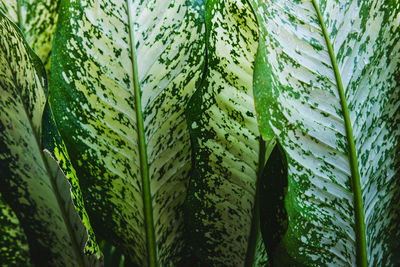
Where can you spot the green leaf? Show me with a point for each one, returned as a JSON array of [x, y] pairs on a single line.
[[226, 142], [14, 250], [31, 181], [10, 9], [122, 73], [112, 255], [260, 256], [37, 21], [273, 215], [326, 83], [55, 147]]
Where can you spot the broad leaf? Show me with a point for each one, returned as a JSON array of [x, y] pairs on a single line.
[[226, 142], [327, 84], [37, 20], [31, 181], [122, 72], [14, 250]]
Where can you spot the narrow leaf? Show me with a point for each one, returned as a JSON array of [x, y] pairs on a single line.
[[122, 73], [55, 150]]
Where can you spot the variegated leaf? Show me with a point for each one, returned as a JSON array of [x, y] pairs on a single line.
[[14, 250], [226, 144], [327, 84], [37, 19], [31, 181], [10, 9], [122, 72], [56, 151]]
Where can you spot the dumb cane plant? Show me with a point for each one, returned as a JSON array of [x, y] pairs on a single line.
[[205, 133]]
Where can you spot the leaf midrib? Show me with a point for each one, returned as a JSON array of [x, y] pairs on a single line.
[[361, 247], [144, 168]]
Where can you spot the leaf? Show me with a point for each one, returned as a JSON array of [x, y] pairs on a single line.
[[10, 9], [122, 73], [316, 60], [273, 213], [31, 181], [226, 144], [260, 256], [14, 250], [55, 147], [37, 21]]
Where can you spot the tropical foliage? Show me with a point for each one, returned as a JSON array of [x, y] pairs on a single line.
[[199, 132]]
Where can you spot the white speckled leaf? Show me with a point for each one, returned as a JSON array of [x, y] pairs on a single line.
[[126, 130], [226, 142], [31, 182], [37, 20], [297, 85], [14, 250], [10, 9]]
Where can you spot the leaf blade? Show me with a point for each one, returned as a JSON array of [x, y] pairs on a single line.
[[96, 113], [29, 182], [226, 148], [37, 20], [361, 249], [308, 108], [13, 244]]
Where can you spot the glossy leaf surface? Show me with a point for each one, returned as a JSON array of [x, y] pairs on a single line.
[[225, 136], [122, 73], [327, 84]]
